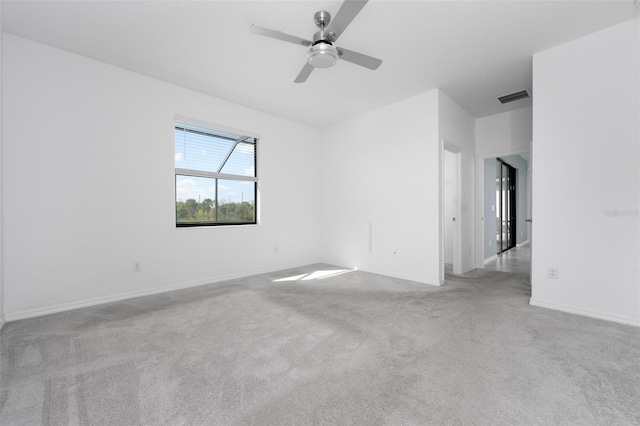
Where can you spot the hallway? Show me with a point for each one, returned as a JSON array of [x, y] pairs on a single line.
[[517, 260]]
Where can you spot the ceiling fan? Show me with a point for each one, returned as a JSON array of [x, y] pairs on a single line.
[[322, 53]]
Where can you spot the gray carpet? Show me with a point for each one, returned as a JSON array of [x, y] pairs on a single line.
[[353, 348]]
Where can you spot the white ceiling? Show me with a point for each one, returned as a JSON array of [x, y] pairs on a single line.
[[473, 50]]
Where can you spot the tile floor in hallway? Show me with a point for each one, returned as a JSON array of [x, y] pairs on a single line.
[[518, 259]]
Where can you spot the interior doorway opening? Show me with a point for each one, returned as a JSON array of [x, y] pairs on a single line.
[[450, 228], [496, 248]]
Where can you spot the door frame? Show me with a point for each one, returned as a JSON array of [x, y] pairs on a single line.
[[457, 235], [480, 198]]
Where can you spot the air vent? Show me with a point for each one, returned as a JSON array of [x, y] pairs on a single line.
[[512, 97]]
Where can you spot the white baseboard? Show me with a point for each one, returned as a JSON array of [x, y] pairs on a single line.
[[491, 259], [464, 270], [62, 307], [587, 313], [522, 244], [400, 276], [407, 277], [468, 269], [2, 321]]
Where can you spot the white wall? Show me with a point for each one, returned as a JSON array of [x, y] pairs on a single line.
[[457, 127], [586, 161], [89, 185], [505, 133], [2, 316], [381, 169]]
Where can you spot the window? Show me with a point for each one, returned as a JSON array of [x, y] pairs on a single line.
[[216, 177]]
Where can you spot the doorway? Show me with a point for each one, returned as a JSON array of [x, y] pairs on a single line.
[[513, 260], [451, 257], [506, 225]]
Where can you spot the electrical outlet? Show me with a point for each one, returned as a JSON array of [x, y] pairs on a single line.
[[137, 266], [489, 243], [275, 250], [395, 253], [552, 272]]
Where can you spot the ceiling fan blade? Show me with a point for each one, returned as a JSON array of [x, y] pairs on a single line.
[[359, 59], [304, 73], [346, 13], [278, 35]]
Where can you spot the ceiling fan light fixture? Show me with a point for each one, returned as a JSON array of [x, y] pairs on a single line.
[[322, 55]]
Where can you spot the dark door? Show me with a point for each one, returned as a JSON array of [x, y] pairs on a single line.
[[505, 206]]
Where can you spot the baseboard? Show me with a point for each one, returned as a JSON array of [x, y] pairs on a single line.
[[491, 259], [2, 321], [450, 261], [522, 244], [407, 277], [587, 313], [69, 306], [468, 269], [464, 270], [376, 271]]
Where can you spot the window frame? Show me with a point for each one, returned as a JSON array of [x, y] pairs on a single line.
[[219, 132]]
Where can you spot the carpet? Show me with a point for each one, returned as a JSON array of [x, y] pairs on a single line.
[[322, 345]]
